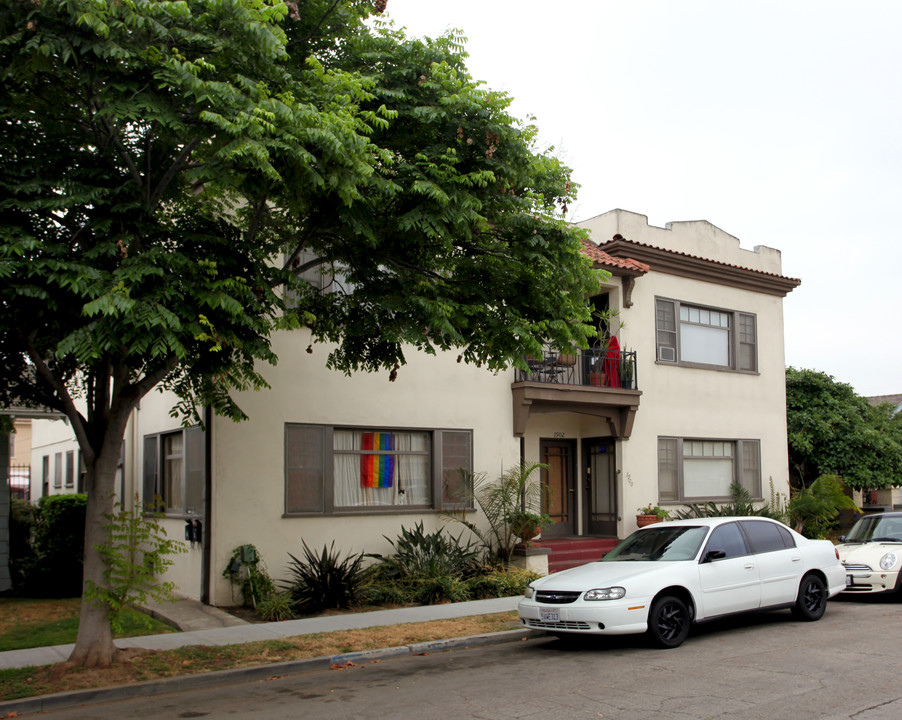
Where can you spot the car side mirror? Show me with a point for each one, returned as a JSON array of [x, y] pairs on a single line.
[[842, 538], [712, 555]]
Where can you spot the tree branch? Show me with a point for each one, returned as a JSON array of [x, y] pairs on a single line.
[[315, 28], [62, 394], [173, 170], [123, 152]]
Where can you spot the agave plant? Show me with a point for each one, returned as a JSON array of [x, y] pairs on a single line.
[[740, 505], [419, 555], [326, 580]]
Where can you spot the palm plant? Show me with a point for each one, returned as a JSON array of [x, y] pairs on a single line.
[[504, 502]]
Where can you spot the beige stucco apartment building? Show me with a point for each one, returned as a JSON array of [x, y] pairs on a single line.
[[693, 400]]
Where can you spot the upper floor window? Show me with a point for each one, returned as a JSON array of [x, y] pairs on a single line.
[[174, 471], [694, 470], [330, 469], [700, 336], [325, 277]]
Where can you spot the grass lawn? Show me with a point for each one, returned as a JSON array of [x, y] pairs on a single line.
[[138, 666], [26, 623]]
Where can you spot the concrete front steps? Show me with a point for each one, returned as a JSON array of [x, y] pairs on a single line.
[[574, 551]]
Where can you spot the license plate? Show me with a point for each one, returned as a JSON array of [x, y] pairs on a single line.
[[550, 615]]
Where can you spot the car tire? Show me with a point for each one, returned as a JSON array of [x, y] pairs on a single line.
[[812, 600], [668, 622]]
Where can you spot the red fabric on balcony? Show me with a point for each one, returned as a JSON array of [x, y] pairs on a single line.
[[612, 362]]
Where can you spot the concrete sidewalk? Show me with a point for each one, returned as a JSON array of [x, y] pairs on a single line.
[[204, 625]]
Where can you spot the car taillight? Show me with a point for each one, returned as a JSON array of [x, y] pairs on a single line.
[[837, 553]]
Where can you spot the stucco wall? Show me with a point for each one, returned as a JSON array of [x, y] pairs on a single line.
[[694, 402], [693, 237], [248, 457]]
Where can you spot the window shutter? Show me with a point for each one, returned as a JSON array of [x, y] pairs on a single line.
[[748, 343], [751, 467], [666, 330], [304, 468], [457, 469], [70, 468], [194, 470], [152, 494], [668, 470]]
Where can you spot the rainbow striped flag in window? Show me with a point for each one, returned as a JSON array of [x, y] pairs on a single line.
[[377, 471]]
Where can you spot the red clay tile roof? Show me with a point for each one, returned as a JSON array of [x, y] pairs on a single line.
[[592, 251], [620, 240]]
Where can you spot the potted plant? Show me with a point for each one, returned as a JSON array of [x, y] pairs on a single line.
[[528, 525], [650, 514], [626, 369], [596, 377]]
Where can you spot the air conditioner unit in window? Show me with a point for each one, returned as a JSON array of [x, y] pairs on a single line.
[[667, 354]]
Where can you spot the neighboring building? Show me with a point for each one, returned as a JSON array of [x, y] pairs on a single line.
[[20, 459], [894, 400], [888, 498], [693, 400], [15, 473]]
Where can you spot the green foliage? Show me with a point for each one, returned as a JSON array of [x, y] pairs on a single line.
[[320, 582], [247, 571], [488, 582], [136, 554], [380, 590], [813, 510], [419, 555], [834, 431], [740, 505], [655, 510], [157, 156], [504, 502], [439, 589], [426, 568], [277, 606], [58, 547], [504, 582], [22, 556]]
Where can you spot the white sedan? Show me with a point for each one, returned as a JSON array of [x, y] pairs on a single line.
[[872, 554], [666, 576]]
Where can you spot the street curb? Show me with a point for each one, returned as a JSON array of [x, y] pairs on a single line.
[[56, 701]]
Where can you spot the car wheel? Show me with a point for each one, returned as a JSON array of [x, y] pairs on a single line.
[[812, 601], [668, 622]]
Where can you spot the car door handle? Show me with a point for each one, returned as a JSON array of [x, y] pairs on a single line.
[[797, 559], [750, 566]]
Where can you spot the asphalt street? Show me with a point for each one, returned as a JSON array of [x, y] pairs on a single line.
[[762, 667]]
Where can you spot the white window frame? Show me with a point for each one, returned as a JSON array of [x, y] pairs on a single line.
[[744, 458], [310, 454], [675, 318]]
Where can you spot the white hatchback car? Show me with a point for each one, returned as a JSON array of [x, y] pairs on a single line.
[[666, 576], [872, 554]]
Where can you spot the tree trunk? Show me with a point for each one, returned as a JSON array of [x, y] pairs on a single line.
[[94, 644]]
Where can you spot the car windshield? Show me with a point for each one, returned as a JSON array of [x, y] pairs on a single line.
[[679, 542], [873, 528]]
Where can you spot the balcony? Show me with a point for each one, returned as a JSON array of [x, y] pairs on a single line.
[[595, 382]]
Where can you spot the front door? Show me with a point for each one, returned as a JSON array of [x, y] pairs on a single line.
[[600, 486], [559, 486]]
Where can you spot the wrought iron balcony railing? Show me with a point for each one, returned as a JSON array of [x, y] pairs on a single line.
[[593, 367]]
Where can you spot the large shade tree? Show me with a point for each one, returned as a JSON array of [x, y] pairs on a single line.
[[834, 431], [167, 169]]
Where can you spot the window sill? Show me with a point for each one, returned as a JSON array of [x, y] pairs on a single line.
[[702, 366], [356, 512]]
